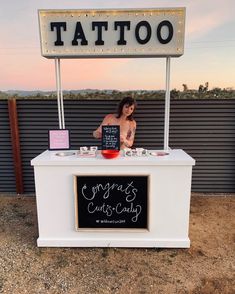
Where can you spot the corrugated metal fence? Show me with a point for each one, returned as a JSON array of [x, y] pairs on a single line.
[[7, 176], [203, 128]]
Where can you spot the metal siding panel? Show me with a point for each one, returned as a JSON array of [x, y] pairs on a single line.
[[203, 128]]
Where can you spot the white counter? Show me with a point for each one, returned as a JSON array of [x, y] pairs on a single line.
[[168, 208], [175, 157]]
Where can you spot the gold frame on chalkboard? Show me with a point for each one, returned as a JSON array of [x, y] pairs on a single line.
[[133, 230]]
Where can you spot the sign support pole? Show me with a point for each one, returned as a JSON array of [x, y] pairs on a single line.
[[57, 69], [167, 106], [61, 97]]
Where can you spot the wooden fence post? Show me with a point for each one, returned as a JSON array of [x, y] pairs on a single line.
[[15, 142]]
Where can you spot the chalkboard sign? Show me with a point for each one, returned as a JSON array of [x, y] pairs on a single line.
[[110, 137], [111, 202]]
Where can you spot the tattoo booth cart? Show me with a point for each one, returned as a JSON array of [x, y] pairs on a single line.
[[135, 201]]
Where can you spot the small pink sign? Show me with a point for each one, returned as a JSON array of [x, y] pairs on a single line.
[[59, 139]]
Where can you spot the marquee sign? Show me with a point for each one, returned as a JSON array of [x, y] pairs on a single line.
[[112, 33]]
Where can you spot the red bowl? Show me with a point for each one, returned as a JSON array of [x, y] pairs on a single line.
[[109, 154]]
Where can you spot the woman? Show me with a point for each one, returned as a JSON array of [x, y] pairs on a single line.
[[123, 118]]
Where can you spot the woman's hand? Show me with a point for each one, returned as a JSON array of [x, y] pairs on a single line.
[[97, 134], [122, 139]]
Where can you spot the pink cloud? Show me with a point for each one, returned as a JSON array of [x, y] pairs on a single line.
[[204, 16], [32, 71], [94, 71], [23, 67]]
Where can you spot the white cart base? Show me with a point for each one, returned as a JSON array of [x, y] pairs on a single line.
[[168, 209], [164, 243]]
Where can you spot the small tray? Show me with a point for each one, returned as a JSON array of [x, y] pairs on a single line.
[[158, 153], [67, 153], [86, 154]]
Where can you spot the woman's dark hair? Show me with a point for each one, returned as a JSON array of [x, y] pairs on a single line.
[[129, 101]]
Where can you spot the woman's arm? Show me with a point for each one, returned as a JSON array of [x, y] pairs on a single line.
[[106, 121], [129, 140], [97, 133]]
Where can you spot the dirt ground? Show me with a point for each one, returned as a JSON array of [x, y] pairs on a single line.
[[207, 267]]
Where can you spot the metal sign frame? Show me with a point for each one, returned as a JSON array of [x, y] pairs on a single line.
[[167, 83]]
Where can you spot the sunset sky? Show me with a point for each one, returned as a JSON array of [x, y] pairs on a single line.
[[209, 50]]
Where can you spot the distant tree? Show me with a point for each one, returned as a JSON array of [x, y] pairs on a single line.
[[203, 89], [3, 95], [185, 87], [200, 88], [216, 91], [38, 95], [175, 93]]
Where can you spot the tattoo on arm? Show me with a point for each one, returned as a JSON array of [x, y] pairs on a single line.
[[133, 133]]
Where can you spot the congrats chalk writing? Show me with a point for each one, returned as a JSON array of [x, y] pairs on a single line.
[[104, 191], [112, 201]]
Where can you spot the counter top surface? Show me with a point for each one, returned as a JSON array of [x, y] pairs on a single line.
[[50, 158]]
